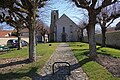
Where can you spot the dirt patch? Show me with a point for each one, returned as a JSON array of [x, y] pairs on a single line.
[[110, 63], [7, 65]]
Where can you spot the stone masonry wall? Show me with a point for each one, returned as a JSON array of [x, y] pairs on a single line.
[[112, 39]]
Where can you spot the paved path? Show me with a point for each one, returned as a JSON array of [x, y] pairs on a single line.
[[62, 54]]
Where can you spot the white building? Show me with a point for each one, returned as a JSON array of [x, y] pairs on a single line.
[[63, 29]]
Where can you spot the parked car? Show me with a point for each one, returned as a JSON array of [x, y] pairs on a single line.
[[4, 48], [13, 43]]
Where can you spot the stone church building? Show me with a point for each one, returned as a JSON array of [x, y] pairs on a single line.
[[62, 29]]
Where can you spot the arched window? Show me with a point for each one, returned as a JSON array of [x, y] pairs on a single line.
[[63, 29], [54, 16]]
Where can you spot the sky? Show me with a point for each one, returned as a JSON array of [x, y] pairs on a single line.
[[64, 7]]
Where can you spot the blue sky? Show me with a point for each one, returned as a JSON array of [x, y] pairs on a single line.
[[69, 8], [65, 7]]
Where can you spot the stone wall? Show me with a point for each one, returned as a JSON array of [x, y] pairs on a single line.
[[112, 39], [3, 41]]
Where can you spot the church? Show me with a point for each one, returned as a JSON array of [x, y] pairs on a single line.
[[62, 29]]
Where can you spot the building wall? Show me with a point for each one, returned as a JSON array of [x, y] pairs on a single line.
[[25, 34], [3, 41], [70, 29], [112, 39]]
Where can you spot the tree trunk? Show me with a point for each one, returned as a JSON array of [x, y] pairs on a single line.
[[19, 40], [87, 33], [44, 38], [81, 39], [32, 37], [103, 37], [91, 33], [32, 44], [92, 43]]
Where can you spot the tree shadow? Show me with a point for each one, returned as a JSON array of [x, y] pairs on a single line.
[[79, 64], [103, 52], [63, 76], [79, 45], [79, 49], [32, 74], [26, 61], [11, 76], [98, 48]]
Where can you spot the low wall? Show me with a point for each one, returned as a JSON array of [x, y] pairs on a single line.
[[3, 41], [112, 39]]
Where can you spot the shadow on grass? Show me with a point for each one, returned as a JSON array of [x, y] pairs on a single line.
[[26, 61], [80, 45], [79, 49], [32, 74], [103, 52], [10, 76]]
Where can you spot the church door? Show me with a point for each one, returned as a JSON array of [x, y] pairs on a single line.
[[63, 35]]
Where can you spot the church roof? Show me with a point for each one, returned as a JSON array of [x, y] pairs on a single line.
[[117, 26], [65, 16]]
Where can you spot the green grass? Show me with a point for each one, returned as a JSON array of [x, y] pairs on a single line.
[[94, 70], [28, 72], [15, 53], [109, 51]]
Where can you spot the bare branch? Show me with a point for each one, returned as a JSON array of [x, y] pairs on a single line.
[[93, 3], [110, 23], [81, 3], [105, 3]]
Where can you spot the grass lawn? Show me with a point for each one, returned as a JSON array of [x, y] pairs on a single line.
[[28, 72], [92, 68]]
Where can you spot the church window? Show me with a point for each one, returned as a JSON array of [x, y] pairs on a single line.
[[71, 29], [54, 17], [70, 25], [63, 29]]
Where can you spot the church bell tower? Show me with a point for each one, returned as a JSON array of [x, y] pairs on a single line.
[[53, 28]]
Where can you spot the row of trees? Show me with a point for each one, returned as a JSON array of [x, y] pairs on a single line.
[[94, 8], [23, 13], [20, 13], [106, 18]]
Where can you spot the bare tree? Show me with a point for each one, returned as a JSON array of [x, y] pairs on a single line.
[[15, 21], [105, 18], [82, 26], [93, 11], [29, 8], [41, 29]]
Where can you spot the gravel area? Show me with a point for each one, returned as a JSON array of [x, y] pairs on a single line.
[[62, 54], [110, 63], [8, 65]]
